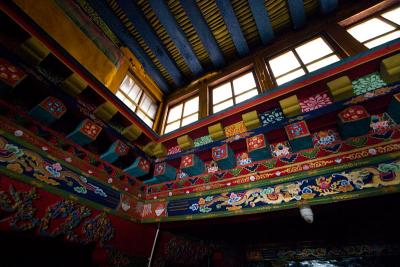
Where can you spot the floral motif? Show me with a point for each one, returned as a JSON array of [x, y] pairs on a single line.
[[315, 102], [90, 129], [15, 167], [297, 130], [10, 74], [54, 106], [174, 150], [367, 83], [271, 117], [353, 113], [202, 141], [255, 142], [14, 149], [234, 129]]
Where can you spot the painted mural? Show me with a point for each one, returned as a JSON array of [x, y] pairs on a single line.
[[18, 160], [356, 182]]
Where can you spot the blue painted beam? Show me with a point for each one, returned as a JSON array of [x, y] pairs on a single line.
[[167, 19], [233, 25], [261, 17], [327, 6], [121, 32], [136, 17], [202, 29], [297, 13]]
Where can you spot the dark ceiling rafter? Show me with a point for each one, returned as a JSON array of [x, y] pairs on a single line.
[[262, 20], [204, 32], [115, 24], [167, 19], [233, 25], [135, 15], [297, 13], [327, 6]]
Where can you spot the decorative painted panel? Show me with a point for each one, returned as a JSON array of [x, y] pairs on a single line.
[[54, 106], [271, 117], [315, 102], [234, 129], [380, 123], [10, 74], [297, 130], [255, 142], [325, 188], [204, 140], [174, 150], [90, 129], [326, 137], [353, 113], [367, 83], [280, 149], [17, 160]]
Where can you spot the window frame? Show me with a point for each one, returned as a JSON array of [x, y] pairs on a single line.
[[335, 52], [181, 117], [378, 16], [229, 79], [143, 91]]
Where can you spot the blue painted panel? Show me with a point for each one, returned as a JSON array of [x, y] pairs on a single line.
[[233, 25], [134, 14], [55, 174], [261, 17], [167, 19], [327, 6], [202, 29], [119, 29], [297, 13]]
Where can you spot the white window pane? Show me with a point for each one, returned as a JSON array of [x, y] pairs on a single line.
[[313, 50], [145, 103], [384, 39], [175, 113], [191, 106], [131, 105], [393, 15], [291, 76], [171, 127], [127, 84], [246, 96], [144, 118], [322, 63], [152, 111], [223, 105], [284, 63], [369, 29], [222, 92], [244, 83], [120, 96], [190, 119], [135, 93]]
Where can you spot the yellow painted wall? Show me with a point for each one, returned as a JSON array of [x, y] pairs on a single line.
[[52, 19]]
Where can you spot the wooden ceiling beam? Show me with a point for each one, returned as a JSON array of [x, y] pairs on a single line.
[[327, 6], [204, 32], [173, 29], [262, 20], [134, 14], [119, 29], [231, 21], [297, 13]]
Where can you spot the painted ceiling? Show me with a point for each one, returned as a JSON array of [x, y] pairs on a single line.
[[178, 41]]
